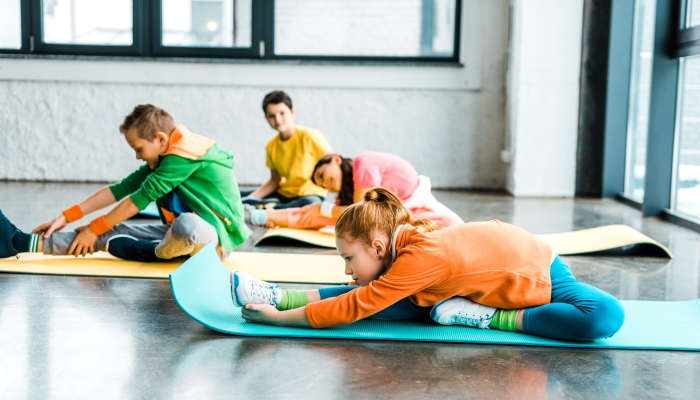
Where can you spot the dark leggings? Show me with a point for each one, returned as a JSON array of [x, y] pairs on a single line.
[[283, 202], [577, 311]]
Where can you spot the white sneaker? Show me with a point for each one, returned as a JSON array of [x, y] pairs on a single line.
[[247, 290], [461, 311]]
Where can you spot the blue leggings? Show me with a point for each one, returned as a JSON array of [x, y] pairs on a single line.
[[577, 311]]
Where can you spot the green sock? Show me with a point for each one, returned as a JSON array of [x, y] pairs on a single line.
[[504, 320], [292, 298]]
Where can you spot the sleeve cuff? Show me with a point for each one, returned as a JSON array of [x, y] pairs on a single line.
[[313, 324], [118, 194], [140, 200], [327, 209]]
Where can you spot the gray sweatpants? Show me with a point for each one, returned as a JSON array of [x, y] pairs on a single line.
[[186, 236]]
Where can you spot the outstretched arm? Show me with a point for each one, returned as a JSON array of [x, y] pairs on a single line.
[[267, 187], [101, 199], [312, 211], [85, 241]]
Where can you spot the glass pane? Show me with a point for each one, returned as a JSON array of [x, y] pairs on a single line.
[[687, 183], [10, 25], [104, 22], [207, 23], [640, 88], [393, 28], [693, 13]]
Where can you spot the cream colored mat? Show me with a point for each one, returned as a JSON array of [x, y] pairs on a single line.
[[275, 267], [610, 237]]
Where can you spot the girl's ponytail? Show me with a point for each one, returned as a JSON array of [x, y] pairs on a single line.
[[381, 211]]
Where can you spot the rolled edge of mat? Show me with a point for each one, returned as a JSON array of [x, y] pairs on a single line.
[[305, 236], [644, 244]]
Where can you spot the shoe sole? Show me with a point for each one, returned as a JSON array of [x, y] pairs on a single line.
[[234, 286]]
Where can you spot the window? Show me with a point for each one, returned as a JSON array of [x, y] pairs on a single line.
[[402, 30], [206, 23], [692, 13], [385, 28], [10, 25], [640, 87], [687, 155], [103, 22]]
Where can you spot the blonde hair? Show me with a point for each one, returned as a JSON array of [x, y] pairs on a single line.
[[380, 211]]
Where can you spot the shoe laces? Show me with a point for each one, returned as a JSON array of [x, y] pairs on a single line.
[[463, 317], [263, 292]]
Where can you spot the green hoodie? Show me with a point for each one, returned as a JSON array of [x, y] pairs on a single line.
[[205, 184]]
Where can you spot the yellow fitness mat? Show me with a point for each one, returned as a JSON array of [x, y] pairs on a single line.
[[276, 267], [311, 268], [614, 239]]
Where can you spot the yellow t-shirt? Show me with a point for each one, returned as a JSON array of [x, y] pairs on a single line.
[[295, 158]]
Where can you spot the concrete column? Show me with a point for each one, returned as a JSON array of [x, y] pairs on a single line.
[[544, 69]]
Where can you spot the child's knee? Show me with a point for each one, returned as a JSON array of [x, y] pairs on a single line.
[[183, 226], [190, 226], [605, 320]]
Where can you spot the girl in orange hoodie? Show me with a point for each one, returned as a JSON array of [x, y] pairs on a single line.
[[480, 274]]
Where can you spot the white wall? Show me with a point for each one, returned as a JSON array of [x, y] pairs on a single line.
[[59, 118], [543, 96]]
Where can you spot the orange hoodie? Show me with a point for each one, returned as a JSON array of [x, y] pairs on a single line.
[[491, 263]]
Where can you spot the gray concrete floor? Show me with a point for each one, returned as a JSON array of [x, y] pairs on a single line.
[[72, 337]]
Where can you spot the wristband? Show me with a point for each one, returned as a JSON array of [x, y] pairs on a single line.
[[100, 226], [73, 213], [327, 209]]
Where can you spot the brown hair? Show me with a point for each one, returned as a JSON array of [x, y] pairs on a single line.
[[148, 120], [347, 187], [276, 97], [381, 210]]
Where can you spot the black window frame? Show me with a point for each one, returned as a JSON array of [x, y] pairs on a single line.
[[687, 41], [270, 25], [147, 39], [257, 35], [137, 47]]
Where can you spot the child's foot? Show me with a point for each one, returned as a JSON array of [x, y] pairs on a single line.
[[247, 290], [247, 212], [7, 230], [461, 311], [129, 248], [254, 216]]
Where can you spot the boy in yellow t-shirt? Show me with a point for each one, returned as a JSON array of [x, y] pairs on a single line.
[[291, 156]]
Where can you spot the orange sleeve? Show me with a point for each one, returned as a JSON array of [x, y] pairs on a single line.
[[411, 273]]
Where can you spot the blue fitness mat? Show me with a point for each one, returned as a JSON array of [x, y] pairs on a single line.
[[201, 287]]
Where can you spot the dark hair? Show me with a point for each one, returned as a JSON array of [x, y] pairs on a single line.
[[347, 188], [380, 211], [276, 97], [148, 120]]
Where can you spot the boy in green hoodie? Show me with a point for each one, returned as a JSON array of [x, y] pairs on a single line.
[[188, 176]]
